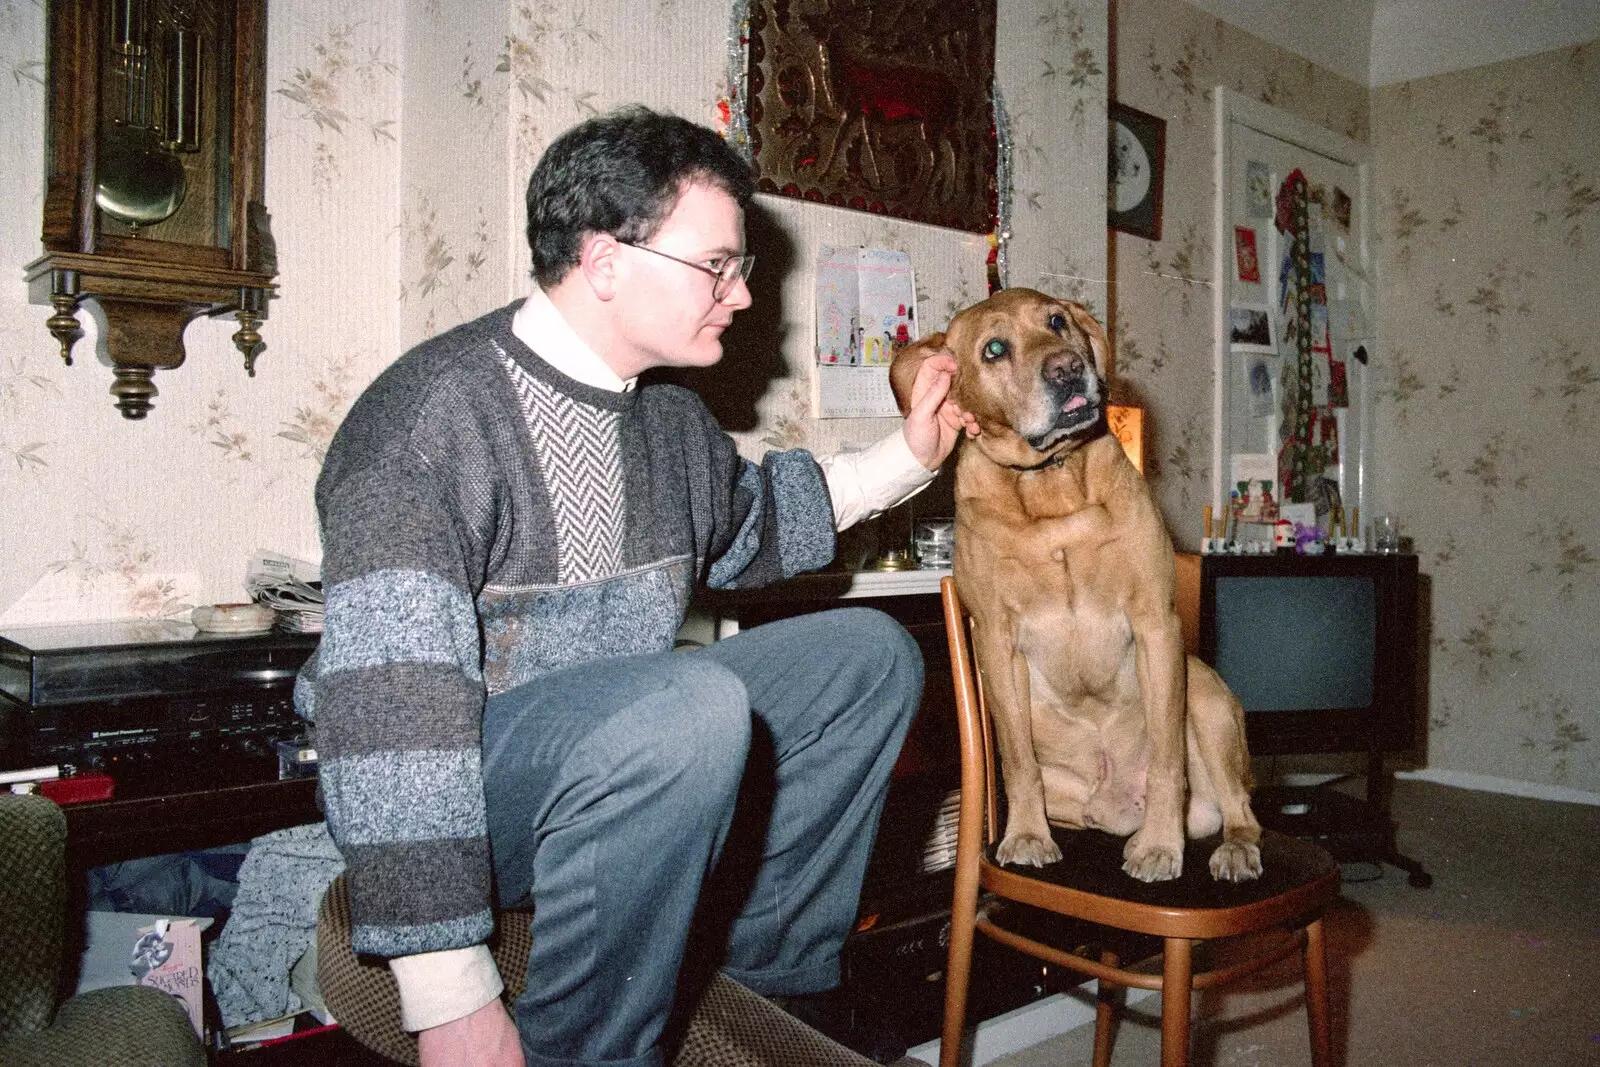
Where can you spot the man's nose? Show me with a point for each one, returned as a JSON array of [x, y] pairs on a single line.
[[739, 297]]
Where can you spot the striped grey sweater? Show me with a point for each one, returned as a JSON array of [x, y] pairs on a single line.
[[486, 520]]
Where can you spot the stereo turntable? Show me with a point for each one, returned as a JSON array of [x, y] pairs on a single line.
[[159, 705]]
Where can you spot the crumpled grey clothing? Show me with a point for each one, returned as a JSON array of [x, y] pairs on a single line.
[[274, 920]]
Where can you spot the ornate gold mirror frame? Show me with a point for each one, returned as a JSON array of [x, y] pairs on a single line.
[[153, 204]]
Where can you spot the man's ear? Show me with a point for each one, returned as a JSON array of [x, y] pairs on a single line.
[[598, 258], [903, 371], [1096, 334]]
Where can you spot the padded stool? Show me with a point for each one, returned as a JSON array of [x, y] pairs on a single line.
[[730, 1027]]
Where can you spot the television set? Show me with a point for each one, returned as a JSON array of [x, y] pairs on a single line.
[[1320, 650]]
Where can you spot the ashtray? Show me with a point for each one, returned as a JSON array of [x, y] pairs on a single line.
[[233, 618]]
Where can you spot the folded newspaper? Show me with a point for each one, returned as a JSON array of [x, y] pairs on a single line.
[[291, 587]]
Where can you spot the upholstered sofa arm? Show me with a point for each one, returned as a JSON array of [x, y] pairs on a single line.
[[123, 1024], [119, 1024]]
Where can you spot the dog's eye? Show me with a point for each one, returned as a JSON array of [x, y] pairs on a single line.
[[1058, 321], [996, 349]]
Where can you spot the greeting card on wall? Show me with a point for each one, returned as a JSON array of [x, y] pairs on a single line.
[[865, 309], [1244, 252], [1251, 493]]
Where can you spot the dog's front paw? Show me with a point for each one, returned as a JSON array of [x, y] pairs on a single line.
[[1152, 861], [1235, 861], [1029, 849]]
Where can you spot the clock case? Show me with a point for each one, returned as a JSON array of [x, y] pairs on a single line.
[[215, 255]]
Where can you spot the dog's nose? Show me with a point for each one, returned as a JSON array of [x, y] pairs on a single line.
[[1063, 368]]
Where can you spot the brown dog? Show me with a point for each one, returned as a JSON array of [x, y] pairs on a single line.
[[1065, 565]]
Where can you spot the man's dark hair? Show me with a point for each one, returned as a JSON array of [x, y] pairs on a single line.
[[621, 174]]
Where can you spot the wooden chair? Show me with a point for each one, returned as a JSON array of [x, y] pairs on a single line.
[[1298, 882]]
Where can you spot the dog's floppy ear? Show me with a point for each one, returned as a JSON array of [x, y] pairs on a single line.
[[1097, 336], [903, 371]]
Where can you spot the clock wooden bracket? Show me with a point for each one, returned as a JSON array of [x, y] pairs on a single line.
[[153, 201]]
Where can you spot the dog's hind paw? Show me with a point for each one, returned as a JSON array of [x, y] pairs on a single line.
[[1234, 861], [1151, 863], [1027, 849]]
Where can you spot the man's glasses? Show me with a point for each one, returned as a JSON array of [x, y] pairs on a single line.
[[725, 271]]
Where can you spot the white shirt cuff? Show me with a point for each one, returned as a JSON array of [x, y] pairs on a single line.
[[863, 484], [441, 987]]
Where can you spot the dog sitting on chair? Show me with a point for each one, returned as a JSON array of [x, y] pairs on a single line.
[[1064, 563]]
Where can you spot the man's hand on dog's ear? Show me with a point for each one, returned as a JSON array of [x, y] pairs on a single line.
[[908, 359], [934, 421]]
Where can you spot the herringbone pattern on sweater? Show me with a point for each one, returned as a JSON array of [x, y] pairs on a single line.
[[580, 460]]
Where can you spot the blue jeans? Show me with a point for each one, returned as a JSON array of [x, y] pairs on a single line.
[[613, 787]]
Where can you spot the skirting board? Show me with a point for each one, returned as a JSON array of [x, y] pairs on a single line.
[[1027, 1026], [1483, 783], [1487, 783]]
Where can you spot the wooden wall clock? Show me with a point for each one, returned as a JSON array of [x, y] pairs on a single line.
[[153, 202]]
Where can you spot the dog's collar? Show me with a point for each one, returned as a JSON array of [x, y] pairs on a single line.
[[1060, 457], [1053, 461]]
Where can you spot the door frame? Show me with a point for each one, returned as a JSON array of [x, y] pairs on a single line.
[[1230, 106]]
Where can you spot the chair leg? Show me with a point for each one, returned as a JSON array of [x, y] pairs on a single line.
[[958, 966], [1105, 1014], [1316, 963], [1177, 980]]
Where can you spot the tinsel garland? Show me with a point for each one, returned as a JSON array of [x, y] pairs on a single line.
[[1302, 456], [1000, 239], [731, 108]]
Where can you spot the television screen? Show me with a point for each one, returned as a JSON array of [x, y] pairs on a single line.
[[1297, 643]]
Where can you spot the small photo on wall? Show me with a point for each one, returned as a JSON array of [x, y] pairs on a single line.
[[1250, 328], [1258, 189], [1244, 254], [1261, 371], [1320, 338]]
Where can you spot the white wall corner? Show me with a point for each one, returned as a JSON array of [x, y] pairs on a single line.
[[1420, 38], [1337, 35]]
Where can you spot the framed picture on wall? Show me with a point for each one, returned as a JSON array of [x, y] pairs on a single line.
[[1136, 165]]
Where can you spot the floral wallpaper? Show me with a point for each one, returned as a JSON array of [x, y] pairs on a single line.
[[1054, 90], [399, 140], [108, 518], [1487, 202]]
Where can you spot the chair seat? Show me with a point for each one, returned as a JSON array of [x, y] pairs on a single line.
[[1297, 878]]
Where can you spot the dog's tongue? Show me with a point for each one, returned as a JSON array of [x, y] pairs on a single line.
[[1075, 403]]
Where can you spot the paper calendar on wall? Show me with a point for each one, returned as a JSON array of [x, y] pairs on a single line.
[[865, 309]]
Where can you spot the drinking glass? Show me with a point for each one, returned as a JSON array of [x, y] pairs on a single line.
[[1386, 534]]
